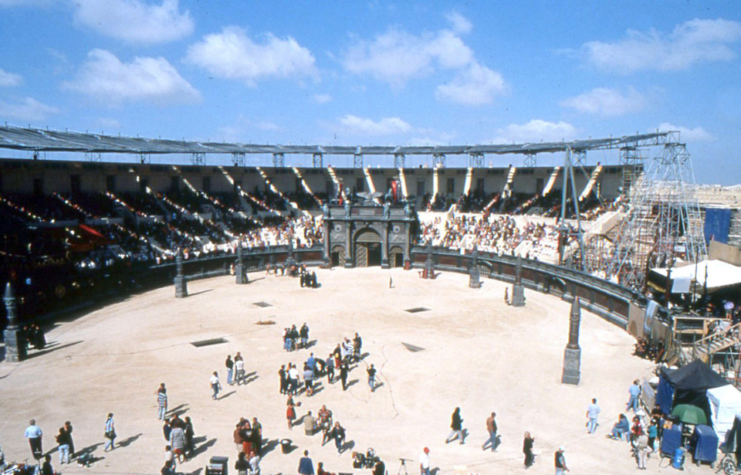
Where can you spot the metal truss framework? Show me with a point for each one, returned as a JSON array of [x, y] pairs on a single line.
[[476, 160], [198, 159], [279, 160], [663, 223], [317, 160]]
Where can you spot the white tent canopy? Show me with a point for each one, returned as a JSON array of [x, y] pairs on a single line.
[[725, 404], [718, 273]]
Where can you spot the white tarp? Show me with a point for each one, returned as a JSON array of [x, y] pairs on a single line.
[[725, 403], [719, 274]]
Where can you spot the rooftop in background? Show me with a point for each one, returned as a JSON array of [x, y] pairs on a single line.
[[38, 140]]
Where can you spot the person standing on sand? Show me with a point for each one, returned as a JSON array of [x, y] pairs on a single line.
[[424, 462], [560, 462], [593, 411], [527, 449], [491, 428], [162, 402], [456, 426], [215, 385]]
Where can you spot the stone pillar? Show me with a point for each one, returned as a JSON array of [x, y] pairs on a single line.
[[572, 353], [290, 261], [181, 286], [15, 342], [349, 251], [430, 262], [239, 270], [407, 247], [325, 224], [518, 290], [385, 245], [474, 280]]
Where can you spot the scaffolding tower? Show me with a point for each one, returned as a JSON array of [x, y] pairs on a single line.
[[663, 223]]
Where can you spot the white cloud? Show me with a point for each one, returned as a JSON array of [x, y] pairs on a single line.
[[106, 78], [9, 79], [322, 98], [607, 102], [26, 109], [396, 57], [473, 86], [231, 54], [460, 23], [536, 131], [690, 43], [135, 21], [698, 134], [355, 125]]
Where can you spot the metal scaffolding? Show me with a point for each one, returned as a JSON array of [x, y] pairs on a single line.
[[663, 223]]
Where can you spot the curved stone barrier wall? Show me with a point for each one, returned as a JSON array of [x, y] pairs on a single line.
[[606, 299]]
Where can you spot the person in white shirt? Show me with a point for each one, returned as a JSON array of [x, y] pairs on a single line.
[[593, 411], [215, 385], [34, 434], [239, 366], [424, 462]]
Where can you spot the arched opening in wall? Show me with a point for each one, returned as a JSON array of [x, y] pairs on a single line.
[[367, 248], [396, 257], [337, 255]]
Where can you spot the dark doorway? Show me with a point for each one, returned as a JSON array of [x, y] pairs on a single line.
[[374, 254]]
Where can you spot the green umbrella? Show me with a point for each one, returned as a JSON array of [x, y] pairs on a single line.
[[690, 414]]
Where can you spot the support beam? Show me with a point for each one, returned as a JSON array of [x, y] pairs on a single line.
[[198, 158], [476, 160], [238, 159], [531, 160], [144, 158], [399, 160], [317, 160], [438, 160], [279, 160], [357, 161], [92, 156]]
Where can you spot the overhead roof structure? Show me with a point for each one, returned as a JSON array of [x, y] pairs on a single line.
[[39, 140]]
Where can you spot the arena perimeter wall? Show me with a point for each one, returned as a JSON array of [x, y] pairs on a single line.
[[603, 298]]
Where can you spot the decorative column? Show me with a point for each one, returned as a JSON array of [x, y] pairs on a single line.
[[572, 353], [385, 245], [326, 230], [430, 262], [474, 280], [407, 247], [15, 342], [349, 251], [290, 261], [181, 286], [518, 290], [239, 270]]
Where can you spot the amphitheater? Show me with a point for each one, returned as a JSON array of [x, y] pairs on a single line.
[[94, 262]]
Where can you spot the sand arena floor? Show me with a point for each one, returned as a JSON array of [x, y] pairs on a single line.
[[478, 354]]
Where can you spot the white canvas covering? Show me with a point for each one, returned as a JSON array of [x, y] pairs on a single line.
[[725, 403], [719, 274]]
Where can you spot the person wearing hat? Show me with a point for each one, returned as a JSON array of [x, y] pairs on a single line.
[[424, 462], [110, 433], [560, 461]]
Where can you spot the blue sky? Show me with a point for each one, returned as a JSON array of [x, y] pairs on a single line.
[[397, 73]]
